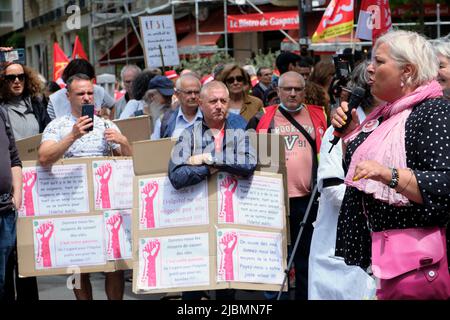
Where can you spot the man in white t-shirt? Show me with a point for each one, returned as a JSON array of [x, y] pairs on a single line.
[[67, 136]]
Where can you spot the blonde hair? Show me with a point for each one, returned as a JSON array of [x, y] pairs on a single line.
[[408, 47]]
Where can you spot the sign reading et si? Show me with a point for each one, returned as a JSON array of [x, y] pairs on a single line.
[[156, 31]]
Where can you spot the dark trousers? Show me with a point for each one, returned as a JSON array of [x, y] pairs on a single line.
[[20, 289], [298, 208], [7, 240]]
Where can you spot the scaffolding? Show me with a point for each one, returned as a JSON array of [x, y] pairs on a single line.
[[110, 16]]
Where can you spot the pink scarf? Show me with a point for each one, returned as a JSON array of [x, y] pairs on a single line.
[[386, 144]]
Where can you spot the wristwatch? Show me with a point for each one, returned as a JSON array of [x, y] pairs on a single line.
[[394, 179]]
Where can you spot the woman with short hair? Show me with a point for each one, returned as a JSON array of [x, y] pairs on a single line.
[[398, 174]]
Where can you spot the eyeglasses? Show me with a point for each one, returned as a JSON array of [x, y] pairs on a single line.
[[13, 77], [289, 89], [231, 80], [190, 92]]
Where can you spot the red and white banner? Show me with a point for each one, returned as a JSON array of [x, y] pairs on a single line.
[[374, 19], [285, 20], [337, 20]]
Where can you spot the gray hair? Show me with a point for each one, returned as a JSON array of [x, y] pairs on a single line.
[[129, 67], [290, 74], [187, 76], [442, 47], [213, 85], [408, 47], [359, 78]]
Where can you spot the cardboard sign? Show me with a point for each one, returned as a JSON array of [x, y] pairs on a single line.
[[58, 229], [193, 256], [136, 128], [160, 41], [28, 147]]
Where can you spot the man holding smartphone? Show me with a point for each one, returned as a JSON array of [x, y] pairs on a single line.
[[69, 136]]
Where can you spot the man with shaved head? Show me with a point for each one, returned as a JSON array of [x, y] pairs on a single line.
[[302, 127], [217, 143]]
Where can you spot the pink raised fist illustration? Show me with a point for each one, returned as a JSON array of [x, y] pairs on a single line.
[[227, 244], [227, 188], [113, 224], [102, 175], [148, 196], [151, 250], [29, 179], [44, 233]]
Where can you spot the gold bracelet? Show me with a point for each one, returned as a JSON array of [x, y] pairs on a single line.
[[410, 178]]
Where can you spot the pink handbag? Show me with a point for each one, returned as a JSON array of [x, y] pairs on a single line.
[[411, 264]]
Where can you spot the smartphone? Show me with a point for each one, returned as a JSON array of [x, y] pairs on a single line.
[[88, 110], [15, 55]]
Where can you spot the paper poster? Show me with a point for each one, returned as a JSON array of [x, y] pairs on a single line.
[[173, 261], [59, 189], [161, 206], [64, 242], [29, 192], [249, 256], [257, 201], [159, 37], [113, 184], [118, 234]]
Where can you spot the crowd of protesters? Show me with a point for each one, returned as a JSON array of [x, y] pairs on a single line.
[[388, 175]]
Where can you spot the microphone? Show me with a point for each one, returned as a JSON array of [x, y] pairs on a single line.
[[356, 97]]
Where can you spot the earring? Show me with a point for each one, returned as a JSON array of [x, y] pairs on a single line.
[[402, 84]]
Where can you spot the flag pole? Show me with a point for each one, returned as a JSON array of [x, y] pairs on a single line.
[[352, 41]]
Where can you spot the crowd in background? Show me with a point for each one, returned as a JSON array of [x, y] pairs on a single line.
[[301, 100]]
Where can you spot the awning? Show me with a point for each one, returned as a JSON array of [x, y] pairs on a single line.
[[120, 51]]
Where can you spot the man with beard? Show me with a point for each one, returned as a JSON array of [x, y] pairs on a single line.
[[158, 98], [173, 122]]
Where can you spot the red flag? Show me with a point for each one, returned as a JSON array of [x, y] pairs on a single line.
[[60, 61], [78, 51], [337, 20], [374, 19]]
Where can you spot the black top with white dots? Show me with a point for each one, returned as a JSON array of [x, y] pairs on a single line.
[[427, 143]]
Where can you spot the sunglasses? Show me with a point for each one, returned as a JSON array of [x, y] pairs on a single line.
[[13, 77], [231, 80]]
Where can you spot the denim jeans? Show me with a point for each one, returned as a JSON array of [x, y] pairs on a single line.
[[7, 241]]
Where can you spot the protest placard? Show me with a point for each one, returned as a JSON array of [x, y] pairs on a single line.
[[136, 128], [28, 147], [59, 230], [188, 252], [160, 41]]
